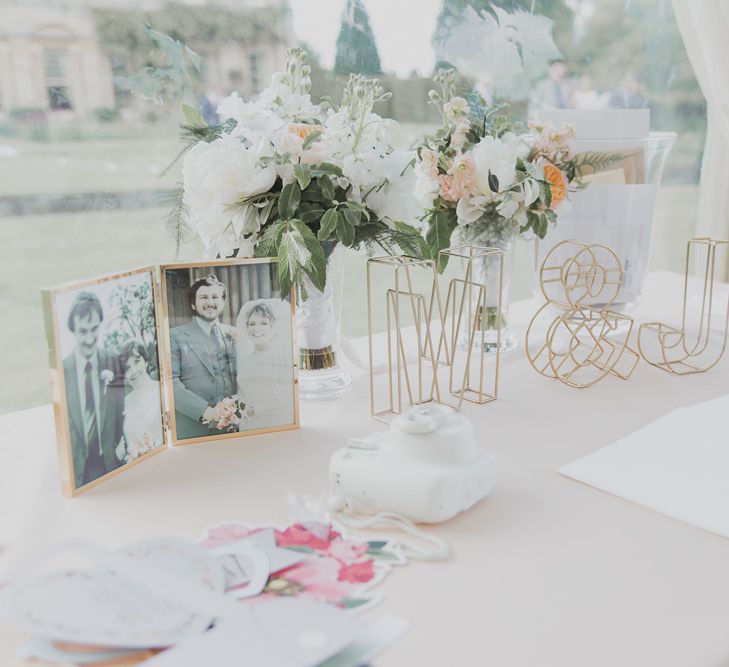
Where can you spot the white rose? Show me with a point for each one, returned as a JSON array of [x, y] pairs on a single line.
[[215, 177], [497, 156], [397, 200], [253, 120]]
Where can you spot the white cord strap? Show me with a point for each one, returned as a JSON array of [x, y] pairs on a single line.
[[440, 550]]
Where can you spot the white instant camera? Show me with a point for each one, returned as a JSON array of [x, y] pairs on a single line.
[[426, 467]]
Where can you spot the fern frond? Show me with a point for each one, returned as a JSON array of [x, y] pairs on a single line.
[[176, 220]]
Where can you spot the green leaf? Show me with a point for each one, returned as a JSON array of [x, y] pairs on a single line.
[[268, 244], [329, 168], [289, 201], [285, 279], [377, 544], [356, 206], [313, 136], [546, 193], [352, 603], [410, 240], [327, 189], [353, 217], [316, 267], [312, 215], [303, 175], [438, 236], [312, 193], [300, 548], [193, 117], [328, 224], [345, 230], [493, 182]]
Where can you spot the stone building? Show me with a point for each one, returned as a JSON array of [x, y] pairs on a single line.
[[51, 57]]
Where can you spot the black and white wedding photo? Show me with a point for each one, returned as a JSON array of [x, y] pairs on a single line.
[[106, 340], [231, 347]]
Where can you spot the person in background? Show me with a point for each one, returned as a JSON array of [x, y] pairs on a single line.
[[586, 97], [552, 92], [209, 106], [628, 94]]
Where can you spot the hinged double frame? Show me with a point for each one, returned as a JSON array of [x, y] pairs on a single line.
[[164, 355]]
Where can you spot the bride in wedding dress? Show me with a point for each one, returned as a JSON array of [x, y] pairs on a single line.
[[142, 409], [265, 363]]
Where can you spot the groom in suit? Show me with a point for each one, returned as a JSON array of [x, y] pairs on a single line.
[[203, 360], [95, 394]]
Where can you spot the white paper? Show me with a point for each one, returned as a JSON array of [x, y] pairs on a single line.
[[151, 594], [281, 632], [677, 465]]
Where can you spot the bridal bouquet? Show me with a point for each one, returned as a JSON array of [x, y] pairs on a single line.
[[488, 176], [282, 176], [229, 414]]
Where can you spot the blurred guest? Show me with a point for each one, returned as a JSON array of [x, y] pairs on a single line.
[[586, 97], [628, 94], [209, 105], [552, 92]]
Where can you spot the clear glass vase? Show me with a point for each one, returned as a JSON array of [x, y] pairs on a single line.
[[493, 331], [320, 375], [616, 209]]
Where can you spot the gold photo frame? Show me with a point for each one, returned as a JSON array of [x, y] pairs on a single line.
[[112, 342]]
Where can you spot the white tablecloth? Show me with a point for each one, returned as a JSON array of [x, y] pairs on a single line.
[[547, 572]]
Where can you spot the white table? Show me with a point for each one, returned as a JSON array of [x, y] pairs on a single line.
[[547, 572]]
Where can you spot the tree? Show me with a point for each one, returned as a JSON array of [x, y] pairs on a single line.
[[451, 13], [133, 308], [356, 47]]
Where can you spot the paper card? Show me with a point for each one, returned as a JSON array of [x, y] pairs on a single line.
[[105, 606], [677, 465], [238, 568], [281, 632]]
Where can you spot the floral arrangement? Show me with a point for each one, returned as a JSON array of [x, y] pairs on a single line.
[[229, 413], [337, 570], [284, 177], [489, 176]]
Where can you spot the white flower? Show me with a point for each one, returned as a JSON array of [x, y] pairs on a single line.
[[215, 177], [531, 191], [498, 157], [470, 209], [455, 108], [106, 376], [508, 207], [247, 247], [363, 171], [254, 121], [397, 200], [460, 134], [426, 186]]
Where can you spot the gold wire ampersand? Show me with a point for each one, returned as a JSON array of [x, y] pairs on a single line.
[[583, 341]]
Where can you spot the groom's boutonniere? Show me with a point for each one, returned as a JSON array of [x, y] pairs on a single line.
[[106, 377]]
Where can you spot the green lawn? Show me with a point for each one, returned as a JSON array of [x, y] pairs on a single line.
[[40, 251]]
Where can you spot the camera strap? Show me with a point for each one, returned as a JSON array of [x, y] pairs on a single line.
[[438, 549]]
